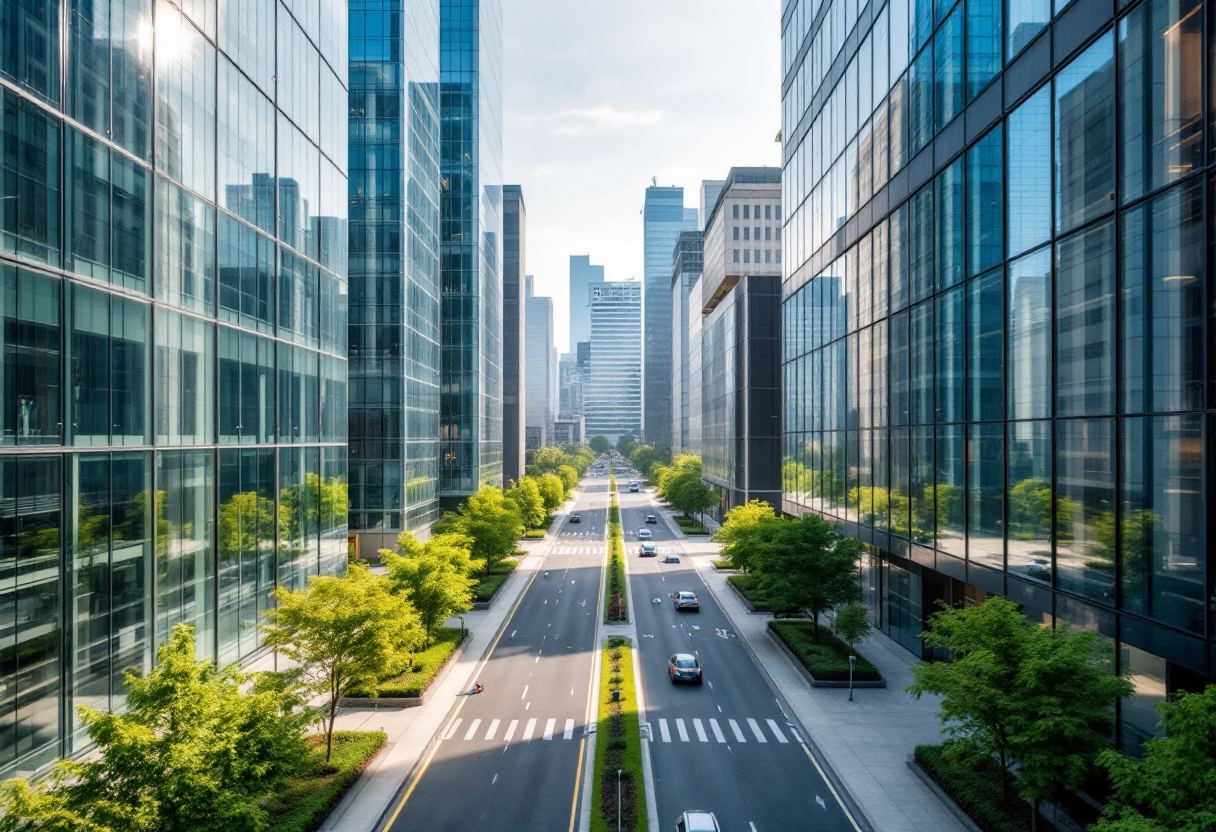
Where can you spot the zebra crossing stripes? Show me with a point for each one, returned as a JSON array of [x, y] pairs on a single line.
[[548, 735], [472, 729], [756, 730], [772, 724], [683, 731], [568, 731], [734, 727], [529, 730], [715, 728], [510, 730], [700, 729], [713, 725]]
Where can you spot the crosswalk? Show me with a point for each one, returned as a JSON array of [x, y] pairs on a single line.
[[699, 726], [548, 728], [552, 729], [578, 550]]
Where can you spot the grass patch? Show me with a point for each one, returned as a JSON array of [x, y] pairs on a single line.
[[618, 744], [976, 788], [722, 563], [534, 534], [743, 583], [311, 796], [423, 669], [489, 584], [616, 603], [827, 659], [689, 525]]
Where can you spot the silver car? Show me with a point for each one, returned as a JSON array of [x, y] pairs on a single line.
[[697, 820]]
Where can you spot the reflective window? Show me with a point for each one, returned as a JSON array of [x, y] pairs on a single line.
[[1026, 18], [247, 36], [109, 75], [949, 494], [185, 249], [333, 400], [986, 495], [983, 44], [900, 400], [298, 76], [1085, 508], [1085, 322], [108, 368], [922, 493], [951, 207], [334, 303], [185, 102], [247, 377], [184, 390], [1029, 195], [1030, 336], [986, 347], [30, 381], [985, 203], [299, 291], [88, 206], [246, 276], [920, 22], [899, 125], [948, 66], [30, 49], [299, 529], [29, 187], [298, 395], [132, 217], [1029, 496], [920, 112], [1161, 279], [185, 561], [1085, 136], [1161, 97], [246, 568], [922, 337], [951, 343], [920, 233], [299, 168], [1161, 519], [245, 149]]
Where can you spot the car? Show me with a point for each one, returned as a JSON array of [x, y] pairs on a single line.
[[648, 550], [686, 601], [575, 518], [671, 559], [650, 518], [684, 667], [1039, 568], [697, 820], [643, 533]]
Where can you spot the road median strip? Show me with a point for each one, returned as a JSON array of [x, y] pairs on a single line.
[[618, 745], [616, 604]]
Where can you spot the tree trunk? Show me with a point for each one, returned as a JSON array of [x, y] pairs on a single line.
[[329, 735], [1034, 815]]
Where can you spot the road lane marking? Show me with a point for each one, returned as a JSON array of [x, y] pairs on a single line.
[[568, 733], [756, 730], [682, 730], [548, 735], [713, 726], [493, 729], [772, 724], [472, 729], [510, 730], [700, 729], [537, 657], [452, 728], [663, 730], [513, 632], [495, 780], [529, 729], [524, 694]]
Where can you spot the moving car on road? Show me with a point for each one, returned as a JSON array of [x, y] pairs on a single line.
[[576, 518], [696, 820], [648, 550], [643, 534], [686, 601], [650, 518], [671, 559], [684, 667]]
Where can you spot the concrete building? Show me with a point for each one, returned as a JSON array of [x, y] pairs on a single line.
[[569, 431], [664, 217], [614, 393], [686, 271], [710, 189], [583, 276], [540, 378], [740, 343], [471, 248], [514, 259]]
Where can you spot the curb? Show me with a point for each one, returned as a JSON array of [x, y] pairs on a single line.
[[818, 683], [946, 800]]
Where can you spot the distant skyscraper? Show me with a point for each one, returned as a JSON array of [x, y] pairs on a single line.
[[664, 217], [541, 372], [514, 250], [686, 270], [583, 276], [394, 366], [614, 395], [471, 247], [710, 188]]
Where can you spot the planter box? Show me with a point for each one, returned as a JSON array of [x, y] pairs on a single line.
[[739, 594], [405, 701], [962, 816], [818, 683]]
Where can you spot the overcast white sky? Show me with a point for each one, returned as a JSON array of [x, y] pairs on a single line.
[[601, 95]]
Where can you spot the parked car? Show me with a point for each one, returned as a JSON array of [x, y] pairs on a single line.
[[648, 550], [643, 534], [650, 518], [575, 518], [686, 601], [684, 667], [696, 820]]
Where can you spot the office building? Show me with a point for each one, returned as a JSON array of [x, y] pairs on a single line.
[[685, 272], [994, 315], [740, 343], [514, 259], [568, 431], [710, 189], [471, 248], [614, 390], [394, 273], [173, 253], [691, 438], [664, 217], [583, 275], [540, 379]]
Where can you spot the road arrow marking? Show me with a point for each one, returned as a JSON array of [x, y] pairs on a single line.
[[822, 805]]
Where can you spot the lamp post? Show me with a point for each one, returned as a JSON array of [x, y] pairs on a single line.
[[852, 661], [618, 799]]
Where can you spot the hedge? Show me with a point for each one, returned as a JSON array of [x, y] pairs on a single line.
[[743, 583], [488, 585], [425, 665], [975, 787], [827, 659], [310, 797]]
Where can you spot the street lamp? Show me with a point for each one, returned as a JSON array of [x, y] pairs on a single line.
[[618, 799], [852, 661]]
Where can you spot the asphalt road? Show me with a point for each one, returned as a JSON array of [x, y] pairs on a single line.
[[706, 744], [509, 757]]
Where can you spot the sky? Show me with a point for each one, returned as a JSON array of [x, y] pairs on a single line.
[[601, 95]]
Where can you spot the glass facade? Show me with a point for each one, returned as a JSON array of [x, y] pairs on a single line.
[[614, 390], [514, 335], [394, 269], [471, 247], [685, 272], [994, 331], [173, 258]]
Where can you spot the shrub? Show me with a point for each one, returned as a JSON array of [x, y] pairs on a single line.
[[976, 788], [828, 658], [310, 797], [425, 665]]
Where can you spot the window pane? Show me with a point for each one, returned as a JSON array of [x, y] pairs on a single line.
[[986, 496], [130, 354], [948, 493], [1030, 336], [986, 348], [90, 520], [1085, 136], [899, 484], [922, 491], [185, 564], [132, 232], [185, 102], [1030, 450], [29, 187], [920, 82], [1085, 501], [920, 234], [1029, 197], [299, 189], [948, 65], [899, 124], [89, 366], [247, 35], [31, 370], [983, 44], [1161, 68], [1162, 287], [922, 364], [246, 276], [185, 249], [131, 575], [246, 148], [1085, 322], [899, 257], [1162, 516], [1026, 19], [951, 341], [951, 250], [185, 394], [900, 401], [131, 68], [30, 47], [88, 207], [985, 203]]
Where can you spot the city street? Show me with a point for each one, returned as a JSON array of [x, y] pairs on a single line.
[[509, 757], [724, 746]]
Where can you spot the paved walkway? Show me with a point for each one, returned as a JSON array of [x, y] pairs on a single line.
[[866, 741]]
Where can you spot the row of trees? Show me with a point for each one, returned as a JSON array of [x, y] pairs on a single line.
[[680, 484]]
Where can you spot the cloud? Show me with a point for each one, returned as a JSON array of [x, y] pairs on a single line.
[[580, 120]]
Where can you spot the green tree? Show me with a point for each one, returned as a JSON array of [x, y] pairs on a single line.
[[526, 496], [568, 476], [1172, 787], [738, 528], [852, 623], [434, 576], [343, 632], [625, 445], [198, 750], [1025, 694], [693, 497], [491, 521], [552, 491], [549, 458], [599, 445], [804, 565]]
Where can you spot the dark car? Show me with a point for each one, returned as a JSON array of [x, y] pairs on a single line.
[[684, 667], [1039, 568], [574, 518], [671, 559], [686, 601], [650, 518]]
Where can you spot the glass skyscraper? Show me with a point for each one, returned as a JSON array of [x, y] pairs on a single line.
[[514, 337], [664, 217], [614, 390], [470, 206], [394, 270], [173, 259], [996, 314]]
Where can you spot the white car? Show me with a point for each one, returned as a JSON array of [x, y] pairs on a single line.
[[696, 820], [643, 534]]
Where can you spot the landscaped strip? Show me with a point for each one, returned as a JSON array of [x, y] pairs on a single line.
[[618, 744], [489, 584], [616, 605], [826, 658], [425, 666], [975, 787], [309, 797]]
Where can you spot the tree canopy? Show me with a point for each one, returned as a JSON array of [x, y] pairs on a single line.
[[527, 498], [738, 527], [491, 521], [434, 576], [804, 565], [599, 445]]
